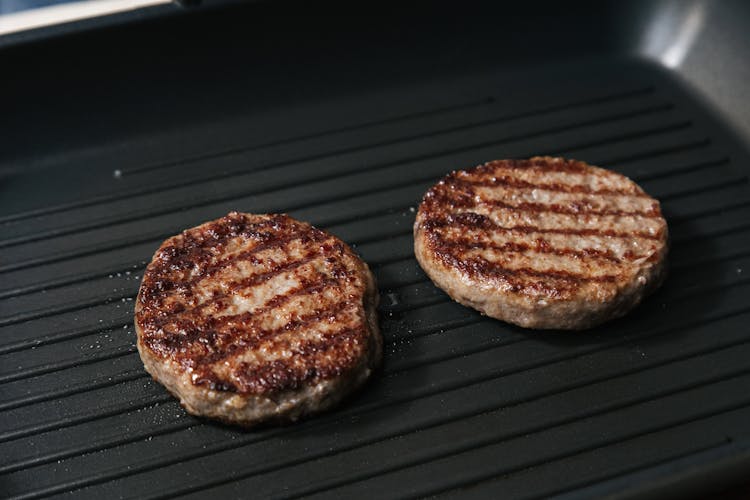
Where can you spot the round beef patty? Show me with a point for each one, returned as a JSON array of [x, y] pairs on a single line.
[[257, 317], [542, 243]]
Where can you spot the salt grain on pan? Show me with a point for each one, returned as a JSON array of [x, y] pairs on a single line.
[[117, 174]]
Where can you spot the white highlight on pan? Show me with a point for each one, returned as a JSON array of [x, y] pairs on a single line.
[[68, 12], [674, 30]]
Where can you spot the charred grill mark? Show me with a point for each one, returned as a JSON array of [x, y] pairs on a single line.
[[589, 232], [459, 190], [543, 163], [514, 183], [235, 225], [195, 322], [506, 236], [279, 268], [200, 341], [552, 283], [472, 220], [307, 287], [305, 237], [574, 207], [236, 286], [539, 245], [479, 266], [197, 247], [442, 197], [254, 334], [310, 361], [208, 345]]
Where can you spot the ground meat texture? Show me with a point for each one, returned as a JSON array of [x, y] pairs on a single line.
[[544, 243], [251, 318]]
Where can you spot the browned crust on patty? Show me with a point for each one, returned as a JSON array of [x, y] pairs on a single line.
[[542, 243], [256, 317]]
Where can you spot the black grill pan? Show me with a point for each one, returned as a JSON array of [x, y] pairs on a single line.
[[654, 404]]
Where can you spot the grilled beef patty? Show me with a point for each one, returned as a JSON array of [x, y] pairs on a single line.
[[256, 317], [542, 243]]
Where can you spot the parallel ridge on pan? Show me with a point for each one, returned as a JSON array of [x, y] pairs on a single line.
[[485, 130], [144, 233], [361, 136], [438, 320], [717, 194], [702, 172], [457, 390], [180, 163], [397, 271], [224, 448], [67, 353]]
